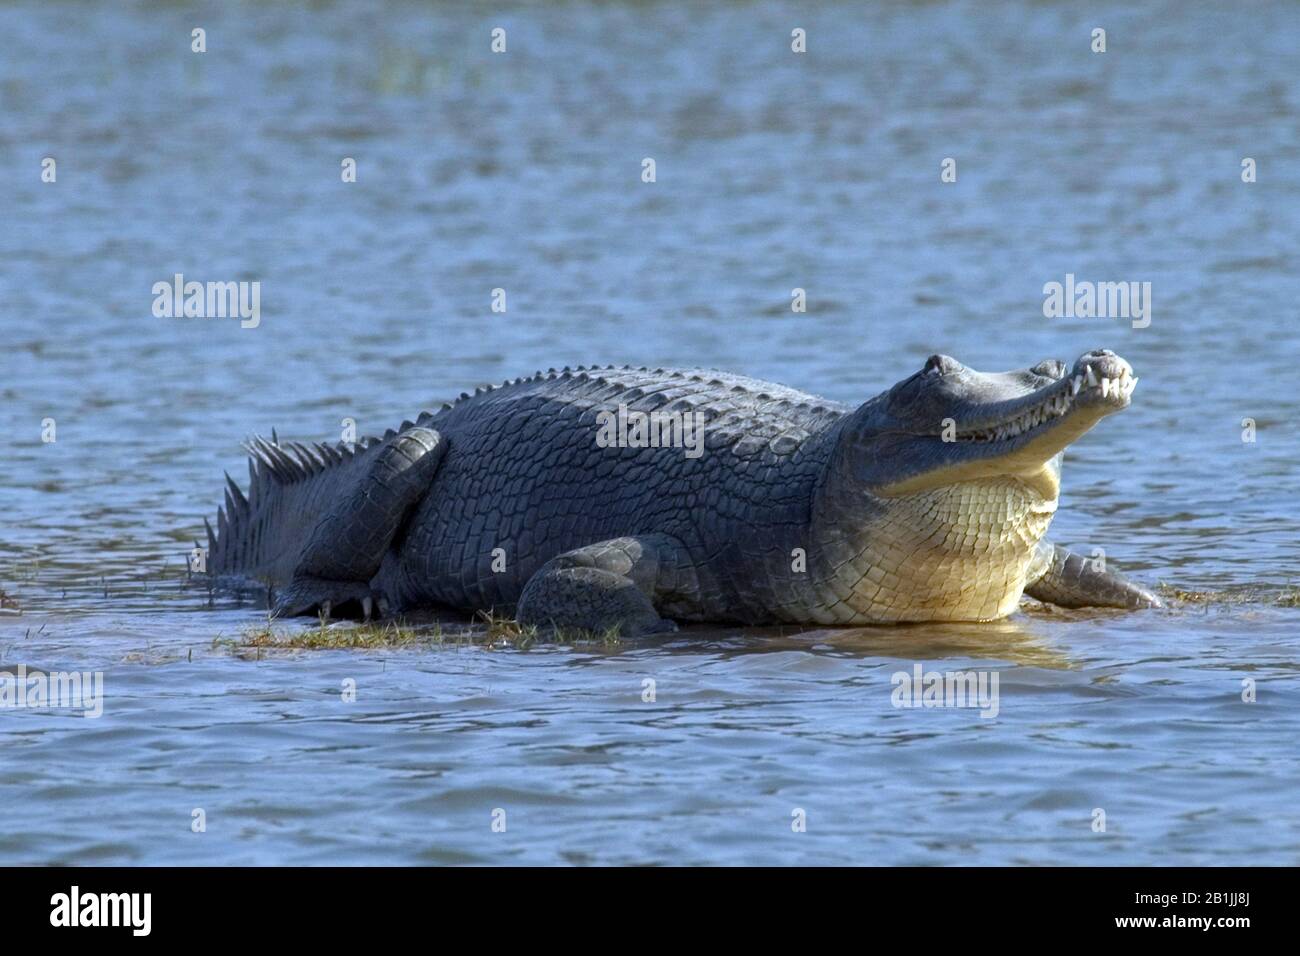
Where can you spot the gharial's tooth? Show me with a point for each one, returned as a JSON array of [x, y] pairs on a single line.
[[1076, 383], [1092, 376], [1105, 386]]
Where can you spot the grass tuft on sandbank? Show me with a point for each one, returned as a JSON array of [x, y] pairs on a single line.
[[490, 631]]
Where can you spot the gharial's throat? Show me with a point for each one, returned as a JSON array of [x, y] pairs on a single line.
[[963, 551]]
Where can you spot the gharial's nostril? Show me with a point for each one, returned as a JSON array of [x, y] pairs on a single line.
[[941, 364], [1102, 362]]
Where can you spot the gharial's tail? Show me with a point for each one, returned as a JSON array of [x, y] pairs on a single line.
[[259, 537]]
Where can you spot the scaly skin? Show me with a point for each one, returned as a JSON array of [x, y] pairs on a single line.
[[929, 502]]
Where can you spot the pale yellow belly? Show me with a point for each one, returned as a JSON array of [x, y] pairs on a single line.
[[959, 553]]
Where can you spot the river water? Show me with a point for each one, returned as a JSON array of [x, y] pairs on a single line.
[[523, 171]]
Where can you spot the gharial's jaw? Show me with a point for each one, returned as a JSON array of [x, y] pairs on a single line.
[[1019, 436]]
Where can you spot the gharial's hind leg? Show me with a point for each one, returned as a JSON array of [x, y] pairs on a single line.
[[1061, 577], [348, 543], [622, 584]]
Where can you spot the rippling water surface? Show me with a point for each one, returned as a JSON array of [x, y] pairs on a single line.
[[522, 171]]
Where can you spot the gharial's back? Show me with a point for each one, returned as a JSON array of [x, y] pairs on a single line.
[[526, 475]]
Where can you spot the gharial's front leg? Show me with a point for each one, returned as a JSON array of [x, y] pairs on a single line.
[[348, 543], [1059, 576], [621, 584]]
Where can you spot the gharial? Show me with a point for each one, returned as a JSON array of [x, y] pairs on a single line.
[[930, 502]]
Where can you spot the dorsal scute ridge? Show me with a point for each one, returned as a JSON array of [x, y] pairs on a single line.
[[285, 463]]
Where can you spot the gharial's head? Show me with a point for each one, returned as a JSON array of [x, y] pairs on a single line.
[[948, 424]]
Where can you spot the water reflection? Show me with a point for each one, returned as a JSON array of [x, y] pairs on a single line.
[[1018, 640]]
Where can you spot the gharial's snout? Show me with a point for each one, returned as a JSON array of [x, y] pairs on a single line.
[[964, 425], [1101, 377]]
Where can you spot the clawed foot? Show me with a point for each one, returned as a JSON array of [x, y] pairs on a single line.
[[344, 599], [590, 601], [1140, 597], [587, 630], [1062, 577]]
